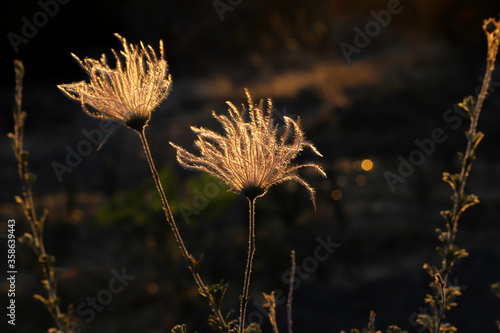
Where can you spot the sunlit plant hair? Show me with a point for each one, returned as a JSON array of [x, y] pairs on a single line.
[[250, 157], [127, 93]]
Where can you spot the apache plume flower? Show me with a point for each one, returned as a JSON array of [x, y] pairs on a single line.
[[130, 92], [251, 156]]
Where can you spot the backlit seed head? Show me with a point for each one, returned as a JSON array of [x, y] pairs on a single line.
[[250, 156], [127, 93]]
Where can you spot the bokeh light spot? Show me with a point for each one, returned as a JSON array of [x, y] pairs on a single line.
[[361, 180], [342, 181], [336, 194], [152, 288], [150, 242], [367, 165], [75, 216]]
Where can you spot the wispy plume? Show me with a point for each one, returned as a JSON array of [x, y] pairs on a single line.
[[127, 93], [251, 156]]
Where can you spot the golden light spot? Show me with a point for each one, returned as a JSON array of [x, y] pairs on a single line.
[[343, 165], [367, 165], [320, 28], [150, 242], [152, 288], [75, 216], [336, 194], [361, 180], [342, 181]]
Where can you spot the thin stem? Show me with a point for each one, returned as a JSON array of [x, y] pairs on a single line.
[[177, 235], [469, 152], [290, 293], [29, 203], [248, 270], [458, 206], [442, 294]]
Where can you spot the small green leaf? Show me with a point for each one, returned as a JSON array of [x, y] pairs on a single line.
[[215, 323], [196, 263], [55, 302], [432, 270], [217, 292], [468, 104], [30, 179], [19, 200], [24, 156], [460, 253], [27, 239], [426, 321], [41, 299], [179, 329], [452, 179], [468, 200], [253, 328], [496, 288], [447, 328], [45, 284], [395, 329], [448, 216], [47, 259], [476, 139]]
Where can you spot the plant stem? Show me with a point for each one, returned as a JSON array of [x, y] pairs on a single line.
[[36, 224], [248, 270], [469, 152], [290, 293], [177, 235], [459, 191]]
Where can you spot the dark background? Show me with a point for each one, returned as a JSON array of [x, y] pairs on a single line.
[[106, 215]]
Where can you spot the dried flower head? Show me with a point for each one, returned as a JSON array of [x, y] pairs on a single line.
[[130, 92], [251, 156]]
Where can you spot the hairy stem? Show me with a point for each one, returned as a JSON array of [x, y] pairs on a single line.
[[177, 235], [469, 152], [248, 270], [36, 225], [460, 200], [290, 293]]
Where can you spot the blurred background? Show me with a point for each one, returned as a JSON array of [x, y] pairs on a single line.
[[363, 112]]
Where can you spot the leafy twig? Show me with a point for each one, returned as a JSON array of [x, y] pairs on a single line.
[[444, 294], [35, 239], [271, 304]]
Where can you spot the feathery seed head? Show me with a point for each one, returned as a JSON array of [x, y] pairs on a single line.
[[250, 156], [128, 93]]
